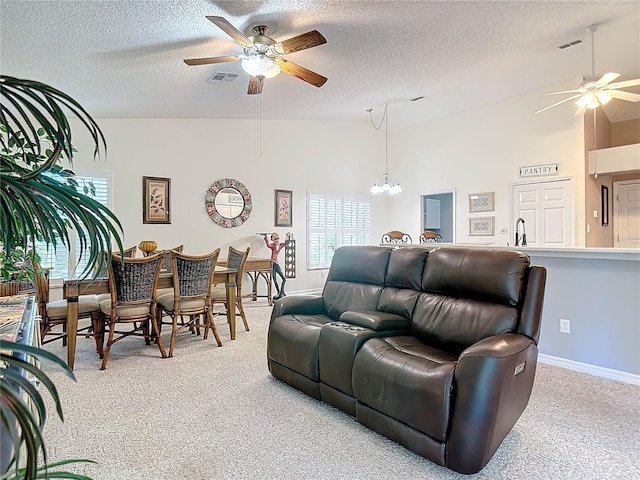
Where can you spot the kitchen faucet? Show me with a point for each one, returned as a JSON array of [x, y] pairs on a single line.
[[524, 235]]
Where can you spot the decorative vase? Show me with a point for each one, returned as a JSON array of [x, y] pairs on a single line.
[[147, 247]]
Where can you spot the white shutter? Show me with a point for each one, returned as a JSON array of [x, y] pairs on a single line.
[[60, 261], [333, 222]]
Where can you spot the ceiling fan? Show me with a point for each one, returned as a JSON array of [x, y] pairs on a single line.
[[263, 56], [592, 92]]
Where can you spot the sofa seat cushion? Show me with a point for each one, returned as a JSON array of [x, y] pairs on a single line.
[[407, 380], [293, 343]]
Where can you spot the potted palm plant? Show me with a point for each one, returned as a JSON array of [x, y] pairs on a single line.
[[40, 202]]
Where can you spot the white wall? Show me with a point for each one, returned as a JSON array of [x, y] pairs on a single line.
[[481, 150], [474, 151], [318, 157]]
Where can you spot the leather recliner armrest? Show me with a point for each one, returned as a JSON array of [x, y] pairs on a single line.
[[299, 305], [493, 381], [375, 320]]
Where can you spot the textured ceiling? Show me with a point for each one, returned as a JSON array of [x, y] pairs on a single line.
[[123, 59]]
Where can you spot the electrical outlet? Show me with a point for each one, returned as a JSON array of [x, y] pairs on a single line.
[[565, 325], [323, 274]]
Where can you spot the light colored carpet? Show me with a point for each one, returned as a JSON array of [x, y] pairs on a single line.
[[217, 413]]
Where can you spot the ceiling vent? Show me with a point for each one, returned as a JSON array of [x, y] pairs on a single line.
[[570, 44], [222, 77]]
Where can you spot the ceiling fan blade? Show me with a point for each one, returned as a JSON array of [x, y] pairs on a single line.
[[301, 42], [625, 84], [206, 61], [302, 73], [230, 30], [628, 96], [566, 91], [558, 103], [255, 86], [607, 78]]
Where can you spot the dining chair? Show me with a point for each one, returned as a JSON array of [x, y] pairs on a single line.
[[54, 314], [429, 236], [191, 297], [236, 259], [132, 287], [102, 270], [167, 267], [396, 237]]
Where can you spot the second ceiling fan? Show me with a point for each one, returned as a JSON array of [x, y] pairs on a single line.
[[263, 56], [594, 92]]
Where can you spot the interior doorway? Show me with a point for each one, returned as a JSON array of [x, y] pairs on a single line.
[[626, 214], [438, 214]]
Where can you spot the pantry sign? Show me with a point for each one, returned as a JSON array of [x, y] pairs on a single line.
[[539, 170]]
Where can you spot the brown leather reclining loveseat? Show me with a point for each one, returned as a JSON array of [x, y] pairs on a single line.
[[434, 349]]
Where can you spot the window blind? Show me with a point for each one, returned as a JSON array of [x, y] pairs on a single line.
[[333, 222], [65, 263]]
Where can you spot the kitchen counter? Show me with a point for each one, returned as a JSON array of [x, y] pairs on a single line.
[[632, 254]]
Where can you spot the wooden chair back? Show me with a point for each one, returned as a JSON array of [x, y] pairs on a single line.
[[395, 237], [429, 236]]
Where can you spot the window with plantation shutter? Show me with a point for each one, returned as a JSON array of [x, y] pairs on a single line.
[[333, 222], [67, 263]]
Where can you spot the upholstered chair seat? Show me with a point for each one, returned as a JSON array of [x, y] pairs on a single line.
[[125, 310], [167, 302], [86, 305]]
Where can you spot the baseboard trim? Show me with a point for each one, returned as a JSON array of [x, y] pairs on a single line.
[[590, 369]]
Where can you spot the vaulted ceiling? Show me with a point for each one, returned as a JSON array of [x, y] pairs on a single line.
[[124, 59]]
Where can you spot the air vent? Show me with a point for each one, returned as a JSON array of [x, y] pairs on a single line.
[[222, 77], [570, 44]]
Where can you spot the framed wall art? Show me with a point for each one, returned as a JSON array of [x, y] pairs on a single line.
[[481, 202], [481, 226], [156, 194], [284, 208], [604, 194]]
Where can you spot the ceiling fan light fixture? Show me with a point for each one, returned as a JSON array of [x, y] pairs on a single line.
[[604, 97], [593, 100], [259, 65]]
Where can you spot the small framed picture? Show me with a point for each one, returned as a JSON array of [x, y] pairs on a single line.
[[481, 202], [284, 208], [481, 226], [156, 200], [604, 195]]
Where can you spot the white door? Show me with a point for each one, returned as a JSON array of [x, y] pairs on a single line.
[[547, 209], [626, 214]]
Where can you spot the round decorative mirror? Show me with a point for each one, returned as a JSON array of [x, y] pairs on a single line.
[[228, 202]]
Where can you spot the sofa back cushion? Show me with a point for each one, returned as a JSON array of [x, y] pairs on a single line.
[[355, 279], [340, 297], [494, 276], [456, 323], [405, 269], [469, 295]]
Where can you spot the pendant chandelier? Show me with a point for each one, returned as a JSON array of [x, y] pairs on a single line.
[[385, 185]]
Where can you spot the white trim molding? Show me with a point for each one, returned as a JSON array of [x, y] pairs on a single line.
[[590, 369]]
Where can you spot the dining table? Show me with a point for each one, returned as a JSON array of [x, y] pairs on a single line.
[[72, 288]]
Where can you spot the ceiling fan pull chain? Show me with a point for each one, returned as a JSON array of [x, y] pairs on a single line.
[[258, 127]]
